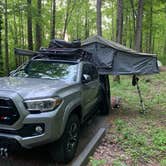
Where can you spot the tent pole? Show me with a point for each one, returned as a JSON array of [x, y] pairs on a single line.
[[141, 99], [135, 82]]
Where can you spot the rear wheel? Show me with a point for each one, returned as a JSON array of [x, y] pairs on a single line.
[[64, 150]]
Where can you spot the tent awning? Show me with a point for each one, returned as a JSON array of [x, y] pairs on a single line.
[[116, 59]]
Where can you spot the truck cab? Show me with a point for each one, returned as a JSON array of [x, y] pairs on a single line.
[[45, 101]]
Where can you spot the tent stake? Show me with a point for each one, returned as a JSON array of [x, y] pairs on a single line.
[[135, 82]]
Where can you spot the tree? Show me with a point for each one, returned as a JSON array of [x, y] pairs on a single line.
[[52, 35], [69, 10], [119, 30], [150, 27], [86, 19], [133, 13], [113, 17], [1, 58], [38, 26], [99, 18], [6, 39], [15, 31], [138, 35], [29, 25]]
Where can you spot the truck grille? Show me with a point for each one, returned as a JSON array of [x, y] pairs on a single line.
[[8, 112]]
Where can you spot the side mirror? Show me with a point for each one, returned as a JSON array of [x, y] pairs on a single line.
[[86, 78]]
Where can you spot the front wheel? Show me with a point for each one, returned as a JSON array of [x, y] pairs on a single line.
[[64, 150]]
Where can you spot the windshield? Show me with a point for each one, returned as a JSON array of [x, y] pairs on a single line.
[[48, 70]]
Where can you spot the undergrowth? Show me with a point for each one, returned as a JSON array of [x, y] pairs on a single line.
[[142, 137]]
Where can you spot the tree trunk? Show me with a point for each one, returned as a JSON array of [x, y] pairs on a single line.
[[125, 30], [22, 35], [22, 30], [138, 35], [112, 15], [86, 19], [119, 21], [130, 33], [86, 25], [77, 26], [15, 34], [150, 27], [69, 11], [38, 26], [119, 31], [19, 35], [133, 14], [6, 40], [164, 50], [99, 18], [52, 35], [1, 58], [29, 25]]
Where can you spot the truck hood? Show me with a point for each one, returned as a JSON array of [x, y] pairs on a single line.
[[30, 88]]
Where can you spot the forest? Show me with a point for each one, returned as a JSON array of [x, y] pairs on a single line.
[[131, 138], [28, 24]]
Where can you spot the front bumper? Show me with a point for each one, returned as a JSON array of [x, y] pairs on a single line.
[[27, 137]]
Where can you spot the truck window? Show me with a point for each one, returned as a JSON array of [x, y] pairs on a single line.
[[90, 70], [49, 70]]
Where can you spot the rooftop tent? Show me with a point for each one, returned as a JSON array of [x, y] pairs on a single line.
[[116, 59]]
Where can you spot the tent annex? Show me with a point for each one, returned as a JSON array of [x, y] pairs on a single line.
[[116, 59]]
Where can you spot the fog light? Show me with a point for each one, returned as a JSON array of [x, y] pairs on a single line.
[[39, 130]]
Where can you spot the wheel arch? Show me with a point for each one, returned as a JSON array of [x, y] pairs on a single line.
[[74, 109]]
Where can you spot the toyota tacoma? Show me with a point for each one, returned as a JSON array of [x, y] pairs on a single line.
[[46, 100]]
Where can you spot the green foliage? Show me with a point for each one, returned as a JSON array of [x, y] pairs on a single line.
[[159, 139], [143, 137], [140, 144], [163, 162], [118, 163], [95, 162], [82, 23], [120, 124]]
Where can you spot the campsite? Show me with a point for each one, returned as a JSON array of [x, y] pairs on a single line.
[[82, 83]]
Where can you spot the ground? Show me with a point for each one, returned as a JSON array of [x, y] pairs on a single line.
[[132, 138]]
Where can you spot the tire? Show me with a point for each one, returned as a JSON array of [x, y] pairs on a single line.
[[64, 149]]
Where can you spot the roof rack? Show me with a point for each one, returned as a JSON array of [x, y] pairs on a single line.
[[58, 49], [57, 43], [56, 53], [23, 52]]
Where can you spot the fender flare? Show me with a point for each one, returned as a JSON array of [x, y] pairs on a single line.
[[73, 105]]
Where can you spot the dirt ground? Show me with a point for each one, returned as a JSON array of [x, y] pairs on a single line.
[[163, 69], [136, 139], [110, 152]]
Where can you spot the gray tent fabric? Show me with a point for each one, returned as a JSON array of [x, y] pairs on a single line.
[[113, 58]]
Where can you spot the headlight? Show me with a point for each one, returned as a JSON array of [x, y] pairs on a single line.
[[42, 105]]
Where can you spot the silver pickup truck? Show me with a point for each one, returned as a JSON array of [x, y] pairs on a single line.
[[44, 102]]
